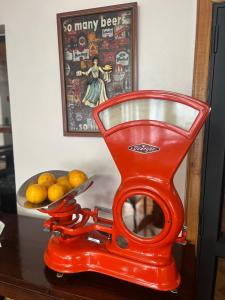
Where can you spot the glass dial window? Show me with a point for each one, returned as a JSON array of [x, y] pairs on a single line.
[[173, 113]]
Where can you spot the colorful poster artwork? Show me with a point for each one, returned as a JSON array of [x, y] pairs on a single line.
[[98, 63]]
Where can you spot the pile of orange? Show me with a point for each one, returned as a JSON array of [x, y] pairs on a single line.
[[48, 187]]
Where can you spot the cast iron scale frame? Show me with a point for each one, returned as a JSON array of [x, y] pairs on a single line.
[[147, 152]]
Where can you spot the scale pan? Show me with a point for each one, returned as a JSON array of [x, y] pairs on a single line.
[[48, 205]]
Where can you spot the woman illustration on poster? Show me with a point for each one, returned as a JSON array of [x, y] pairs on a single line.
[[96, 91]]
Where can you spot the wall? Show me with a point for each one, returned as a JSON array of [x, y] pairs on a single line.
[[166, 37]]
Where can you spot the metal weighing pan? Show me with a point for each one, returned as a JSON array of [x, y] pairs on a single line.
[[48, 205]]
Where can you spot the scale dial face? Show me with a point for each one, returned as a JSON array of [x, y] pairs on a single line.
[[143, 216], [170, 112]]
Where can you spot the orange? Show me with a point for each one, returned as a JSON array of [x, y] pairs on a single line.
[[63, 180], [76, 178], [36, 193], [46, 179], [55, 192]]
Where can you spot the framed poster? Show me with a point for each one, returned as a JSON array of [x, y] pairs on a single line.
[[97, 52]]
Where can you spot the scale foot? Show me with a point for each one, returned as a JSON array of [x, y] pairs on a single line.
[[59, 275]]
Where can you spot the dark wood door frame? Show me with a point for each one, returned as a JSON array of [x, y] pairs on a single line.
[[211, 244], [200, 91]]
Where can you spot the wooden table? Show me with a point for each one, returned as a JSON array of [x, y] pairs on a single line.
[[23, 275]]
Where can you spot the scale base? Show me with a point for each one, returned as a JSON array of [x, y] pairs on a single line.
[[78, 254]]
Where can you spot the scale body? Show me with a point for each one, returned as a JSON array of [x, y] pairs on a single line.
[[148, 133]]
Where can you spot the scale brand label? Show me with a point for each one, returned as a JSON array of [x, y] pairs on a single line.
[[144, 148]]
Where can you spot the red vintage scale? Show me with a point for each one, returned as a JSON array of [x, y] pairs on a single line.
[[148, 134]]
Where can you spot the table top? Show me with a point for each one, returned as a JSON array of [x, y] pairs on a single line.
[[23, 274]]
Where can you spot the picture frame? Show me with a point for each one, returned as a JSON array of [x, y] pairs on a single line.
[[98, 60]]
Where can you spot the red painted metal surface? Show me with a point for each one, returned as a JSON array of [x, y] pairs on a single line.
[[145, 261]]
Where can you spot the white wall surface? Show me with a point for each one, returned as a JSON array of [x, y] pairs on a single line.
[[166, 37]]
